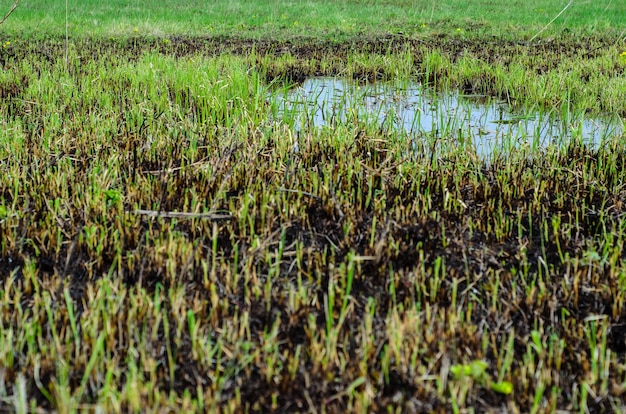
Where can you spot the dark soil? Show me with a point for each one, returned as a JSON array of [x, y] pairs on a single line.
[[543, 55]]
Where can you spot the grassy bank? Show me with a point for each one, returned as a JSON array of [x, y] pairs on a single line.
[[167, 242]]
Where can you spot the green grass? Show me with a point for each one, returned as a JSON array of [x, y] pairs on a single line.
[[320, 19], [167, 242]]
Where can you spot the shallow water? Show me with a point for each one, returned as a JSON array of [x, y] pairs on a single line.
[[488, 125]]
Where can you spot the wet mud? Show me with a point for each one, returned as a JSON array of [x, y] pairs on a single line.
[[542, 55], [473, 260]]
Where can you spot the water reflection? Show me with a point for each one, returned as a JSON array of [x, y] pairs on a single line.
[[490, 125]]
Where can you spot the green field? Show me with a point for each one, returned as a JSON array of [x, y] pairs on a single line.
[[171, 241], [315, 19]]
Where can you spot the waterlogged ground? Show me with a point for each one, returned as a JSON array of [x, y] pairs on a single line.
[[165, 246], [480, 124]]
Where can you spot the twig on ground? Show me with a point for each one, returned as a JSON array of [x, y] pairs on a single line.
[[176, 214], [551, 21], [6, 16]]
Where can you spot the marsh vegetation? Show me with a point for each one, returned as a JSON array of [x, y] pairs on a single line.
[[170, 240]]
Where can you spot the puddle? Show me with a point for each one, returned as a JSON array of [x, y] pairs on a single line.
[[409, 108]]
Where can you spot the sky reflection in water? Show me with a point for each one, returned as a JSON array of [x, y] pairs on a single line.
[[410, 108]]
